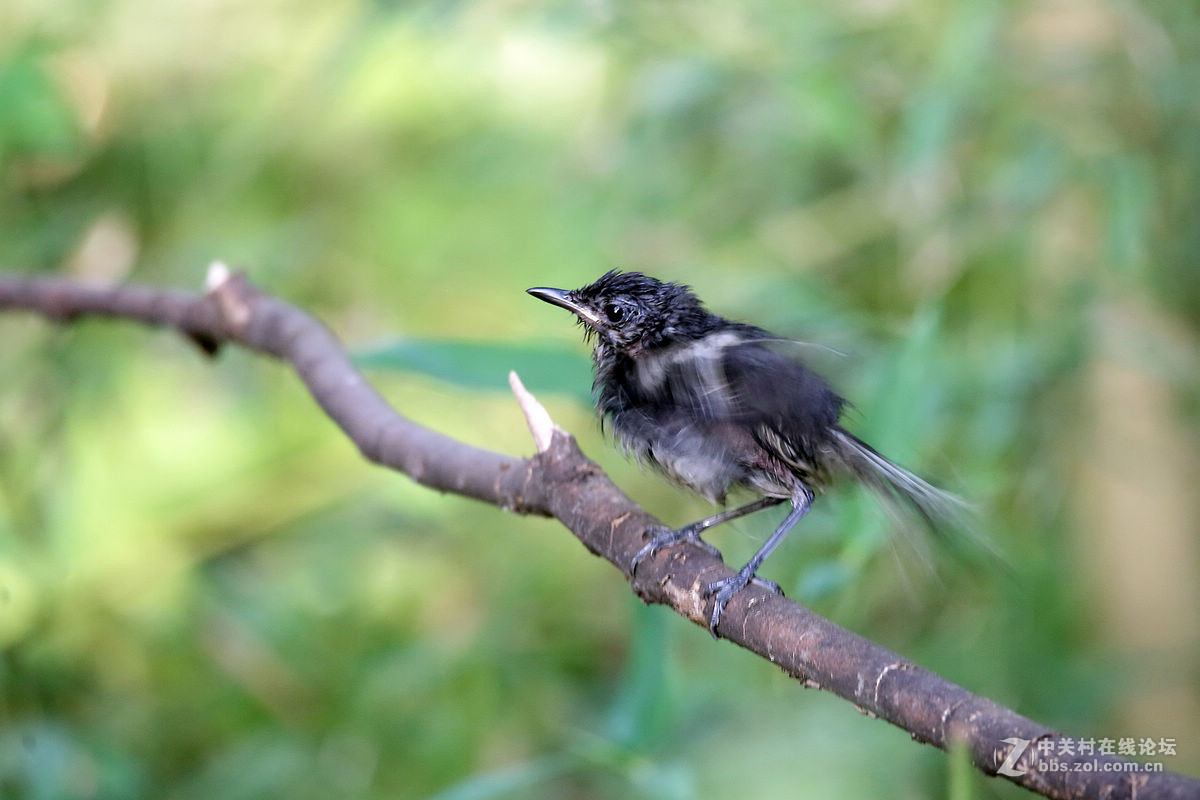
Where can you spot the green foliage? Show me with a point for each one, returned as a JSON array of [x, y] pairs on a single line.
[[485, 365], [989, 208]]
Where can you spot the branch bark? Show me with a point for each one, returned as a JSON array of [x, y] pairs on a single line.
[[560, 482]]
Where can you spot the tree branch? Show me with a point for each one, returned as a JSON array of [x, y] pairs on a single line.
[[560, 482]]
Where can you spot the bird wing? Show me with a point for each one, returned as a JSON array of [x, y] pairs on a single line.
[[732, 376]]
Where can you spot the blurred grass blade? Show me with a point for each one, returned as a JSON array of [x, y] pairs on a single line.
[[640, 712], [959, 773], [543, 368], [507, 781]]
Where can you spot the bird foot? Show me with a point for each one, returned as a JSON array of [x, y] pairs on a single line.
[[723, 591], [665, 537]]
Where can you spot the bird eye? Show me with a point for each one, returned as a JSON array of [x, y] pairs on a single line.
[[614, 312]]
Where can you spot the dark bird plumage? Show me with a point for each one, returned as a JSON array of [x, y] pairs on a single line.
[[713, 406]]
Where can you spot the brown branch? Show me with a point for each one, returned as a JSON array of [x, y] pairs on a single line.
[[560, 482]]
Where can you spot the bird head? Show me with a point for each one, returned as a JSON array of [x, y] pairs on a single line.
[[629, 312]]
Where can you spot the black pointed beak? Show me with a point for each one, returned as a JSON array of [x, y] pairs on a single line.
[[562, 298]]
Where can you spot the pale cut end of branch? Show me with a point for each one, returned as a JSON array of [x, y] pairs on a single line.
[[233, 295], [536, 415], [218, 273]]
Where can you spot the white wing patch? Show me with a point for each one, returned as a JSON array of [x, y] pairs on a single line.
[[699, 373]]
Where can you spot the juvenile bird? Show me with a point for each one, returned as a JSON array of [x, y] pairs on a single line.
[[709, 403]]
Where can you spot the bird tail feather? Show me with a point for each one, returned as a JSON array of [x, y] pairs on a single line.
[[942, 511]]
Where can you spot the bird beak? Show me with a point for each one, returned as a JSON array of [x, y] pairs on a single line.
[[562, 298]]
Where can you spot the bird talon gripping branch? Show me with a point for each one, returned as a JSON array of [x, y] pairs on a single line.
[[721, 592], [711, 405], [724, 590], [666, 537]]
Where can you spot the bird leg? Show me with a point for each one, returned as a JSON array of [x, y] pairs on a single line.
[[727, 587], [665, 537]]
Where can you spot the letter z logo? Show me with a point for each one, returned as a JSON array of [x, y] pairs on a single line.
[[1018, 749]]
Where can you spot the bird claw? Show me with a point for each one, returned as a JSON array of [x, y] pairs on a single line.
[[666, 537], [770, 586], [723, 591]]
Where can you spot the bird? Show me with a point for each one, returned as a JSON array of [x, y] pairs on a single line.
[[716, 405]]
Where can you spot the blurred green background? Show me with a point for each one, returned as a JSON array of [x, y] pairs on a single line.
[[991, 209]]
